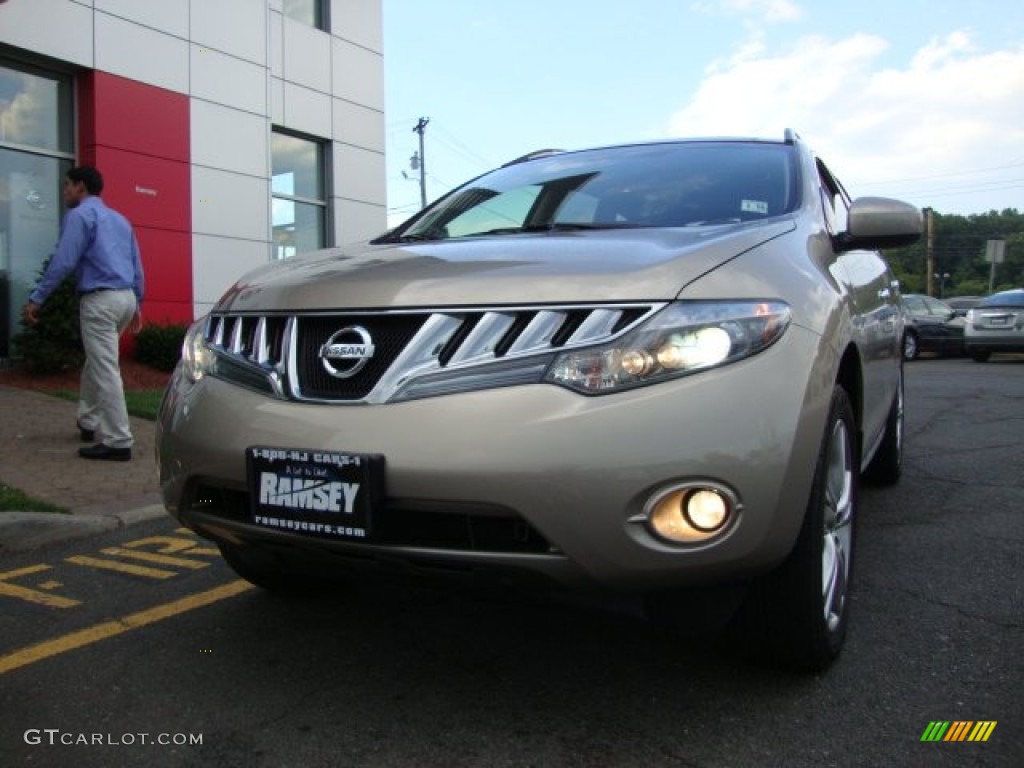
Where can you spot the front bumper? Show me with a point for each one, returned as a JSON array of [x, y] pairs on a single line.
[[567, 472]]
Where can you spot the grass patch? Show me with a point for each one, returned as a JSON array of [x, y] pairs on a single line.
[[13, 500], [144, 403]]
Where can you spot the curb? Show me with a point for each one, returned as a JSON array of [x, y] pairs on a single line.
[[24, 531]]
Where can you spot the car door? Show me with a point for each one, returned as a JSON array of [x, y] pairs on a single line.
[[946, 326], [877, 312]]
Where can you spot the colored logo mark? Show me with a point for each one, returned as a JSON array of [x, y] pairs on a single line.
[[958, 730]]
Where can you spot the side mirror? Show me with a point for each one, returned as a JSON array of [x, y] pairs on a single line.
[[878, 222]]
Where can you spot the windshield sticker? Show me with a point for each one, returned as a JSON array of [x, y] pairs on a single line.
[[754, 206]]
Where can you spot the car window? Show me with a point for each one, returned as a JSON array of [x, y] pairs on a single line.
[[659, 185], [915, 305], [1007, 299], [937, 307], [836, 201], [496, 213]]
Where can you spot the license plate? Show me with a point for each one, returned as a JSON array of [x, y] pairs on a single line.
[[998, 321], [315, 493]]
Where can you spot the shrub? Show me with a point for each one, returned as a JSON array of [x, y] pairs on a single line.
[[159, 346], [54, 344]]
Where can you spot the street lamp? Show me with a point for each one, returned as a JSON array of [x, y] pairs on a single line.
[[942, 284]]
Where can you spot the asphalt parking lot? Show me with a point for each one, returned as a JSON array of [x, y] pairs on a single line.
[[401, 674]]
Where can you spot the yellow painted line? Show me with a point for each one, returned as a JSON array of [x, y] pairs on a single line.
[[113, 565], [33, 595], [109, 629], [152, 557]]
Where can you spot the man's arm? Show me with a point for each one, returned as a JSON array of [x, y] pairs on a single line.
[[74, 238]]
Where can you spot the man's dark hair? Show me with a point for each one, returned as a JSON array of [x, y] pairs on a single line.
[[89, 176]]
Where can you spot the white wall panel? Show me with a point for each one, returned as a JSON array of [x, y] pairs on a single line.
[[359, 21], [57, 28], [307, 111], [217, 262], [276, 101], [228, 139], [357, 125], [140, 53], [355, 221], [277, 44], [358, 74], [170, 16], [226, 80], [234, 27], [358, 174], [307, 56], [230, 204]]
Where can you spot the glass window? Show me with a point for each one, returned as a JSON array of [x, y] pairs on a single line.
[[305, 11], [35, 109], [299, 191], [36, 150]]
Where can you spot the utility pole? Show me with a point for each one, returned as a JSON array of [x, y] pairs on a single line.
[[420, 127], [929, 253]]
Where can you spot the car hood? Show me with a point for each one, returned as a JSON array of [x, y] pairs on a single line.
[[548, 268]]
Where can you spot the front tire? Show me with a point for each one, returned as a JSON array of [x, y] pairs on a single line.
[[887, 464], [802, 608], [911, 346], [980, 355]]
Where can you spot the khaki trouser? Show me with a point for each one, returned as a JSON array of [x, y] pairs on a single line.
[[104, 315]]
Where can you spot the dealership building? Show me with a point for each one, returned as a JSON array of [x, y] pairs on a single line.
[[230, 133]]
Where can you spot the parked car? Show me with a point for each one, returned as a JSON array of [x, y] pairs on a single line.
[[655, 369], [996, 324], [932, 326], [960, 304]]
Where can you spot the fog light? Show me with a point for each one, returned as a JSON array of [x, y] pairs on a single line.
[[690, 513], [705, 510]]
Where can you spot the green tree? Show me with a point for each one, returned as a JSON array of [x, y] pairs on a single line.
[[54, 344]]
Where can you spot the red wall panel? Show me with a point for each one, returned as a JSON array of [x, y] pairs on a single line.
[[137, 135], [135, 117], [150, 191]]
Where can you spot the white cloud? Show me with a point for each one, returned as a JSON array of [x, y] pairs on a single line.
[[764, 11], [925, 127]]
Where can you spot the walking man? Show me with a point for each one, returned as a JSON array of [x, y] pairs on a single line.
[[97, 244]]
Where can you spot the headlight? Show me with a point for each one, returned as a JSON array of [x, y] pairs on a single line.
[[196, 356], [683, 338]]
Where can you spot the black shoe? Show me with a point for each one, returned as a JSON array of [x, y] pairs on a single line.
[[86, 435], [105, 453]]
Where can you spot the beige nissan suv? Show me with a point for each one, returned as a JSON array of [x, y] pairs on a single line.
[[654, 369]]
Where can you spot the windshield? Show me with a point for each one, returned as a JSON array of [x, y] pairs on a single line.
[[658, 185]]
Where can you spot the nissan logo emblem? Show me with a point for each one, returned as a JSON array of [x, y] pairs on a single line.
[[347, 351]]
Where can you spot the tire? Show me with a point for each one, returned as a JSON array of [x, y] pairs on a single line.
[[887, 464], [911, 346], [801, 609], [264, 571], [980, 355]]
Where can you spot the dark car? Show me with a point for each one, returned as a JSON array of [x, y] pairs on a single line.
[[960, 304], [996, 324], [932, 326]]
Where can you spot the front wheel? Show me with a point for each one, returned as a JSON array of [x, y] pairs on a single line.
[[887, 464], [802, 608], [911, 347]]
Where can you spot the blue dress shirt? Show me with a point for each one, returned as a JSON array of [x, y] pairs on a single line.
[[98, 245]]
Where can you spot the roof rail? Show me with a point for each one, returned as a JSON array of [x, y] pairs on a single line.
[[533, 156], [792, 137]]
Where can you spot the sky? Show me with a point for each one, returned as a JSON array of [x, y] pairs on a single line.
[[921, 100]]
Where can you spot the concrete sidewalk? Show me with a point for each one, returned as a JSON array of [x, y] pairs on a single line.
[[39, 456]]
